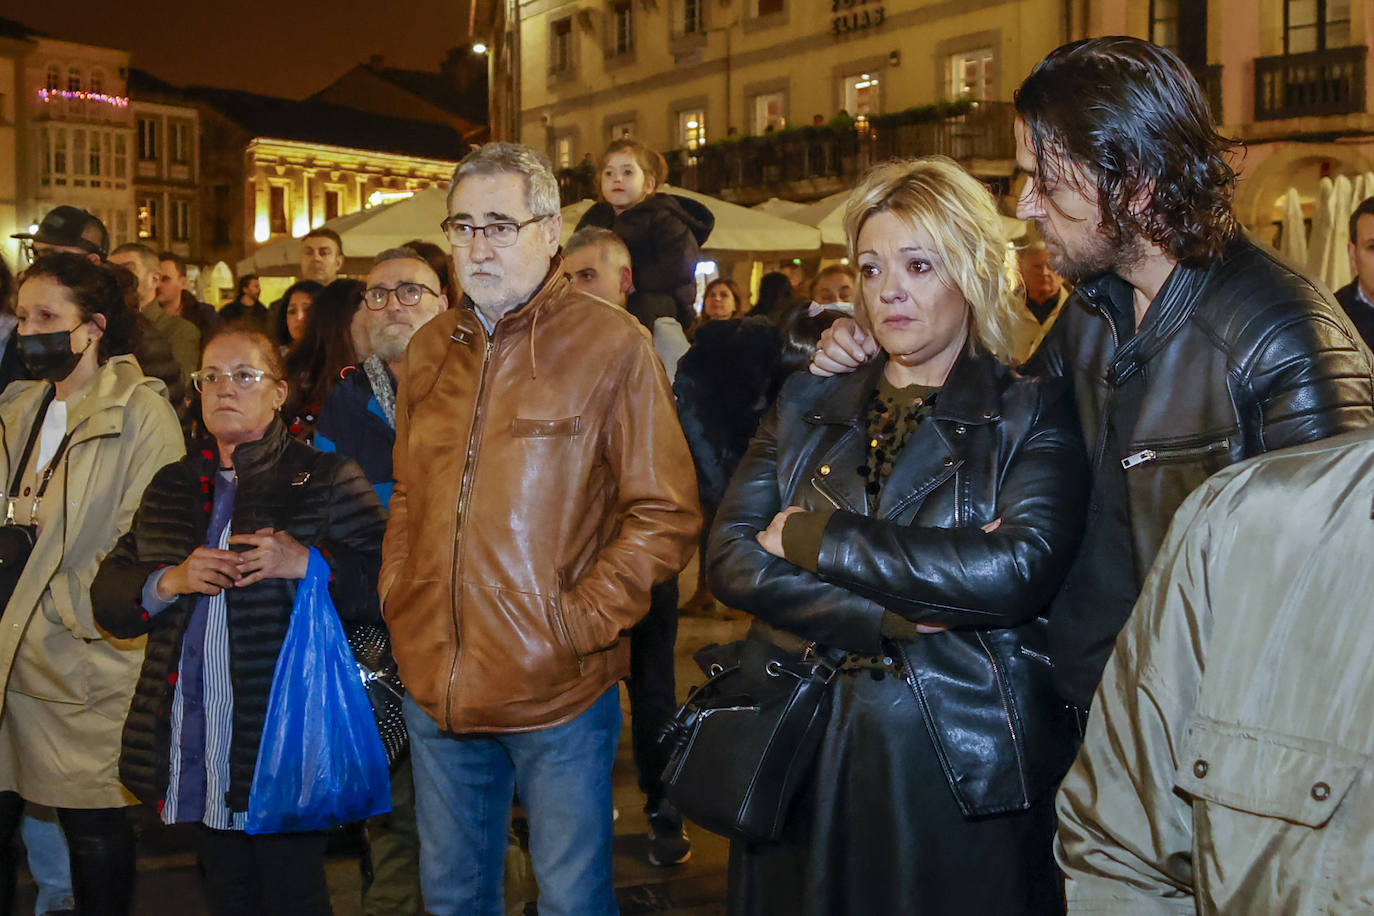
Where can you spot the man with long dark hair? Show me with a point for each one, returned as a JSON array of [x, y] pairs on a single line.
[[1189, 347]]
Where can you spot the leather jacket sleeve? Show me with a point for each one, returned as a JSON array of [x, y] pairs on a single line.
[[1308, 380], [744, 575], [659, 516], [966, 576]]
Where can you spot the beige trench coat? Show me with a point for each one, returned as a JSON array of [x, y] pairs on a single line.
[[1229, 760], [67, 684]]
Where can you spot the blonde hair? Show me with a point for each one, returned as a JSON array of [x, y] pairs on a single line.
[[975, 256]]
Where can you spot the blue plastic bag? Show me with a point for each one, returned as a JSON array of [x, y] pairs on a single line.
[[321, 762]]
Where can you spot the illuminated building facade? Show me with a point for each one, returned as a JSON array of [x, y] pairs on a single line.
[[167, 177]]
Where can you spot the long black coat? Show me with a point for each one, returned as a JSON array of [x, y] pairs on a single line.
[[664, 233], [322, 500], [973, 717]]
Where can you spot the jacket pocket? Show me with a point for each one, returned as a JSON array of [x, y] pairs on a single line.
[[524, 428], [1266, 774], [560, 623], [1211, 452]]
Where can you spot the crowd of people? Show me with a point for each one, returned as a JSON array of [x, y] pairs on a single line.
[[1080, 650]]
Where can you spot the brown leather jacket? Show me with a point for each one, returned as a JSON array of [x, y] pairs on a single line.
[[543, 485]]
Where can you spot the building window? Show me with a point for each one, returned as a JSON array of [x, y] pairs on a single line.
[[96, 170], [147, 139], [59, 152], [73, 80], [622, 130], [180, 132], [860, 94], [1315, 25], [121, 156], [767, 7], [1164, 23], [97, 81], [693, 17], [332, 199], [121, 226], [54, 78], [563, 152], [147, 217], [970, 75], [623, 17], [276, 210], [770, 112], [691, 128], [78, 152], [181, 220], [560, 46]]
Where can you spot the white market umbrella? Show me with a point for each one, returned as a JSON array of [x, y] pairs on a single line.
[[1323, 226], [1338, 272], [1294, 243], [776, 206], [365, 234], [827, 215], [737, 228]]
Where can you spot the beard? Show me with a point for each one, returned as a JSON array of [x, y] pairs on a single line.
[[1091, 259], [389, 341]]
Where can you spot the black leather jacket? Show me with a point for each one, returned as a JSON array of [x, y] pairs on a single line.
[[997, 446], [1239, 358]]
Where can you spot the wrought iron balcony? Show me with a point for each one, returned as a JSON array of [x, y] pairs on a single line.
[[1312, 84]]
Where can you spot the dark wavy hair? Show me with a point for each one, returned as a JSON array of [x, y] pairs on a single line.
[[279, 330], [326, 346], [97, 289], [1133, 116]]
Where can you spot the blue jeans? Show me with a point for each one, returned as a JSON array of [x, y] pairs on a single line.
[[463, 790]]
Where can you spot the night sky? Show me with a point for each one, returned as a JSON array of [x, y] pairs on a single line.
[[277, 47]]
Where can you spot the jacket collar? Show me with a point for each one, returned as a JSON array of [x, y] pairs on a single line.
[[1171, 309], [552, 289], [251, 458], [99, 410], [969, 395]]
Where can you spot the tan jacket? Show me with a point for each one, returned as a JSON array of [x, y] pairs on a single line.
[[68, 684], [543, 485], [1229, 759]]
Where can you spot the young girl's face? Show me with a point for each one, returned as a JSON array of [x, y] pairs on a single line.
[[623, 182]]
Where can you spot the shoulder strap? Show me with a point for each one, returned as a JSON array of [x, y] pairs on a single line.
[[28, 450]]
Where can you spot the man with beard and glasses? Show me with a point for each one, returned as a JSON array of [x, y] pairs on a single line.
[[1188, 346], [543, 485], [358, 420]]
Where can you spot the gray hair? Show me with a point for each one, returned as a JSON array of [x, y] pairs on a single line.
[[397, 254], [588, 236], [541, 188]]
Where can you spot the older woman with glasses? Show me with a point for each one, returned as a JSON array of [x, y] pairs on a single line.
[[915, 518], [209, 571]]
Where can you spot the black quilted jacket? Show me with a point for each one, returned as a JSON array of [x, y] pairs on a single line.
[[322, 500]]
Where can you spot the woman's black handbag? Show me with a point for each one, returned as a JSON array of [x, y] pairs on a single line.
[[371, 645], [16, 541], [745, 740]]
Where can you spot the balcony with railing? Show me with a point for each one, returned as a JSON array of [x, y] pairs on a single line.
[[811, 162], [1310, 85]]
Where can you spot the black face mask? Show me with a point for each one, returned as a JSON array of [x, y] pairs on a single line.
[[49, 356]]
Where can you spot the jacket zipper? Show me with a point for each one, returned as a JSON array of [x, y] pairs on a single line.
[[464, 495], [1146, 455], [1004, 689]]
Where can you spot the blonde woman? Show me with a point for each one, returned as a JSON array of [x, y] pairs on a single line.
[[917, 515]]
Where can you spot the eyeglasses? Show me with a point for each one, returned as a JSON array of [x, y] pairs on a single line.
[[375, 297], [502, 234], [242, 378]]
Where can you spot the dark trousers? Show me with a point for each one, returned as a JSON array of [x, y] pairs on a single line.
[[101, 844], [653, 697], [275, 874], [391, 872]]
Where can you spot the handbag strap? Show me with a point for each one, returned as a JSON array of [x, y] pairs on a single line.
[[28, 451]]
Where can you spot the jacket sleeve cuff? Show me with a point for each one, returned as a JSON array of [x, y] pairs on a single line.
[[151, 601], [895, 626], [802, 535]]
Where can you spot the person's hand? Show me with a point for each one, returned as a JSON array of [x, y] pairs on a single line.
[[844, 347], [274, 555], [770, 538], [206, 571]]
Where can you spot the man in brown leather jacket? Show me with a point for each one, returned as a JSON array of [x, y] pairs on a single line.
[[543, 486]]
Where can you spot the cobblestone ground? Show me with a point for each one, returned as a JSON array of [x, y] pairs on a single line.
[[169, 884]]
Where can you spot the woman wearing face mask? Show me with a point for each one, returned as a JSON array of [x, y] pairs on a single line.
[[78, 446]]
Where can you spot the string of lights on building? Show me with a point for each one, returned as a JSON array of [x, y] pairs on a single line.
[[48, 95]]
